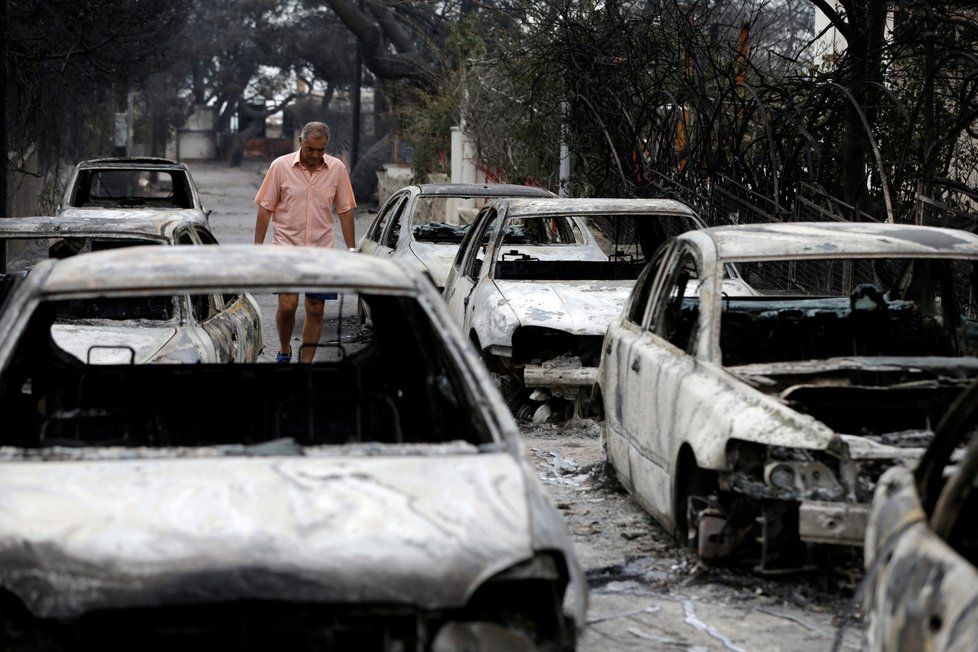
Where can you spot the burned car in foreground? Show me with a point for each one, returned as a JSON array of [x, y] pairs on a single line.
[[212, 327], [758, 425], [536, 282], [378, 498], [920, 590]]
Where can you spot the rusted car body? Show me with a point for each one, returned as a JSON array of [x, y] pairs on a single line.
[[376, 499], [536, 282], [209, 328], [131, 187], [920, 590], [424, 223], [743, 419]]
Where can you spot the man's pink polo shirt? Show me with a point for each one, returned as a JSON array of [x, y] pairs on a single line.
[[302, 202]]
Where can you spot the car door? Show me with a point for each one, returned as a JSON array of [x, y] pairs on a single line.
[[376, 241], [659, 366], [460, 253], [236, 316], [630, 354], [211, 320], [391, 240], [469, 267], [615, 360]]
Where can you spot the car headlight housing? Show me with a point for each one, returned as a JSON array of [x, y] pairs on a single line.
[[520, 608], [805, 477], [782, 473]]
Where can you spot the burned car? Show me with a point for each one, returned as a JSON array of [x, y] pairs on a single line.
[[130, 187], [753, 426], [425, 223], [378, 498], [920, 590], [212, 327], [536, 282]]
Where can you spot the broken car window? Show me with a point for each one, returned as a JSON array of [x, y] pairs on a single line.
[[82, 378], [831, 307]]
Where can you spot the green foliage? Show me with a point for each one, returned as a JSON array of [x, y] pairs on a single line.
[[651, 98], [425, 117], [70, 65], [658, 99]]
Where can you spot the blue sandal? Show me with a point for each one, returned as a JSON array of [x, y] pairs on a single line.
[[283, 358]]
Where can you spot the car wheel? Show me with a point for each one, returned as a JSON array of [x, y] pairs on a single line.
[[508, 380], [515, 395], [609, 475], [700, 521]]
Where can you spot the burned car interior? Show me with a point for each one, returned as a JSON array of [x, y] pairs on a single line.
[[921, 312], [622, 237], [521, 266], [20, 254], [924, 312], [625, 241], [437, 232], [392, 386]]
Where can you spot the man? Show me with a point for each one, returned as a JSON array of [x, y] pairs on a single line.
[[297, 196]]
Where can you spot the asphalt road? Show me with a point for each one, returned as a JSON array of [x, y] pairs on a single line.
[[647, 593]]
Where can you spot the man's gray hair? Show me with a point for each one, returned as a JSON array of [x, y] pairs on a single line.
[[314, 129]]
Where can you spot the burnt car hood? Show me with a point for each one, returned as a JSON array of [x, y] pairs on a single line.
[[576, 307], [422, 530], [861, 395]]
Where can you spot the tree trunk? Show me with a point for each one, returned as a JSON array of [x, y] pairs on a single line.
[[364, 175]]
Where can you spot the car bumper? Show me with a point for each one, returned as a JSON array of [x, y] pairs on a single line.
[[551, 377], [831, 522]]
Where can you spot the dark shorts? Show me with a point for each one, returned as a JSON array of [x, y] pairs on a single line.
[[322, 296]]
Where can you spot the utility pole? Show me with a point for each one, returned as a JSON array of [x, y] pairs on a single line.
[[3, 110], [357, 85]]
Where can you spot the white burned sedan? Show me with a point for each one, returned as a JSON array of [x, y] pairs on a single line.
[[759, 425], [122, 187], [377, 498], [537, 281], [424, 223]]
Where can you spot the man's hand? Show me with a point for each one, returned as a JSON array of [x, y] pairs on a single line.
[[347, 225], [261, 224]]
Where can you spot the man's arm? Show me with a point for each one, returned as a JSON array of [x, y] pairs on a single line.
[[349, 229], [261, 224]]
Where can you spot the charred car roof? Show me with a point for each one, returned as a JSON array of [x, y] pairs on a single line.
[[167, 269], [481, 190], [836, 239], [596, 205]]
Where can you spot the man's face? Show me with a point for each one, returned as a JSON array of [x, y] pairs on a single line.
[[312, 149]]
